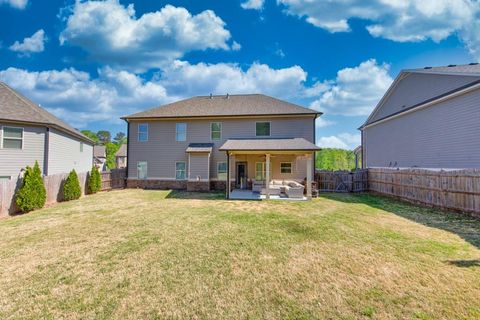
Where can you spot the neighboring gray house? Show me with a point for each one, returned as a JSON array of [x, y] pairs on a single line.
[[100, 158], [29, 133], [121, 157], [257, 142], [428, 118]]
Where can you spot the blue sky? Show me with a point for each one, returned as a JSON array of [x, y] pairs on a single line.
[[90, 62]]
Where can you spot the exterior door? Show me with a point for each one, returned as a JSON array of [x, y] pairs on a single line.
[[241, 175]]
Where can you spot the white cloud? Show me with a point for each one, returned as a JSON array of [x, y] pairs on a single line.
[[399, 20], [35, 43], [113, 34], [253, 4], [78, 99], [75, 97], [18, 4], [354, 92], [342, 141], [183, 78]]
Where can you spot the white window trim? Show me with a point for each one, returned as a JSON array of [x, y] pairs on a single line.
[[291, 167], [146, 176], [138, 132], [3, 135], [175, 176], [226, 171], [264, 169], [221, 131], [176, 131], [270, 131]]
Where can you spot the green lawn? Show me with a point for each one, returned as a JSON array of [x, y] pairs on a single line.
[[134, 254]]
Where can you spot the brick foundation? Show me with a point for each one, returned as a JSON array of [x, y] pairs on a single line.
[[198, 186], [157, 184], [218, 185]]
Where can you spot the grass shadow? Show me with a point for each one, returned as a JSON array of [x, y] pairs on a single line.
[[466, 227], [465, 263], [182, 194]]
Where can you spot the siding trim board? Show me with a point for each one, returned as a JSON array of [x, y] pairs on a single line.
[[448, 95]]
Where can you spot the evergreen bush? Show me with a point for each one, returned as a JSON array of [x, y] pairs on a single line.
[[94, 181], [71, 188], [32, 194]]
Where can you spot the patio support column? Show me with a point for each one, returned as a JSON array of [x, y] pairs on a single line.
[[267, 175], [227, 184], [309, 176]]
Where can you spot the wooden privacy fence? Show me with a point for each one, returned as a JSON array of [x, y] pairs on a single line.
[[342, 181], [454, 190], [114, 179], [54, 186]]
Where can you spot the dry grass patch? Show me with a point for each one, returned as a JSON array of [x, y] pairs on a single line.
[[154, 254]]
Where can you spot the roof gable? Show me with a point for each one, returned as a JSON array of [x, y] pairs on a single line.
[[414, 88], [17, 108], [224, 106]]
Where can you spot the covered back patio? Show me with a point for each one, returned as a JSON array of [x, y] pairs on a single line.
[[269, 168]]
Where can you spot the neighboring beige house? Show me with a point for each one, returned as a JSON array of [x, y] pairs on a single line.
[[121, 157], [29, 133], [428, 118], [100, 158], [256, 142]]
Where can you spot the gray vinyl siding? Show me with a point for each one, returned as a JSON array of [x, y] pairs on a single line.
[[198, 166], [444, 135], [65, 155], [12, 160], [418, 87], [161, 150]]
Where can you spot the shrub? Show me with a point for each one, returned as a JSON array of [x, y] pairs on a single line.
[[71, 188], [94, 181], [32, 194]]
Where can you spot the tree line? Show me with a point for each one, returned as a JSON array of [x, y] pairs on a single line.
[[335, 159], [104, 138]]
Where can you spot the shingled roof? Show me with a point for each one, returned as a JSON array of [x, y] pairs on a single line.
[[272, 144], [229, 105], [461, 69], [17, 108]]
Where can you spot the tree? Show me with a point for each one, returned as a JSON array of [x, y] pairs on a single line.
[[120, 138], [32, 194], [335, 159], [71, 188], [94, 181], [104, 136], [92, 135], [110, 150]]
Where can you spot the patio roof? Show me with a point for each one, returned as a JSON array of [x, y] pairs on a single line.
[[199, 147], [280, 144]]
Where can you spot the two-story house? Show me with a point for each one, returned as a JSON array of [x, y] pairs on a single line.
[[256, 142]]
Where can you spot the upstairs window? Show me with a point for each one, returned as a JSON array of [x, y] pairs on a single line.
[[143, 132], [262, 129], [181, 132], [216, 131], [81, 146], [12, 138]]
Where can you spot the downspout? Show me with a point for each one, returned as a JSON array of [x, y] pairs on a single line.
[[227, 185], [128, 151], [46, 152], [314, 142]]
